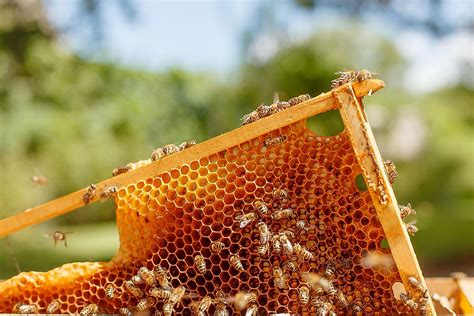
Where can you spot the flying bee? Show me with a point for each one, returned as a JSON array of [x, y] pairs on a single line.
[[303, 294], [408, 301], [59, 236], [170, 149], [185, 145], [109, 291], [391, 171], [162, 277], [262, 249], [236, 263], [341, 299], [109, 191], [264, 232], [418, 286], [279, 278], [377, 260], [299, 99], [133, 289], [261, 207], [330, 271], [200, 263], [252, 310], [53, 307], [286, 244], [276, 244], [203, 305], [40, 180], [147, 276], [120, 170], [263, 110], [246, 219], [302, 253], [89, 309], [21, 308], [89, 195], [291, 266], [411, 228], [136, 280], [221, 310], [124, 311], [280, 193], [274, 141], [250, 118], [406, 211], [145, 303], [217, 246], [283, 213], [242, 299], [160, 293]]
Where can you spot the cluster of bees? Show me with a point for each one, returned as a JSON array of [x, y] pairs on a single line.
[[267, 110], [52, 308], [351, 76], [418, 298]]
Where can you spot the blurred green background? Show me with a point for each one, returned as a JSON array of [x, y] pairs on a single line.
[[72, 109]]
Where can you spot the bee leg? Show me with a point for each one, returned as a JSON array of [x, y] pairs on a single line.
[[65, 242]]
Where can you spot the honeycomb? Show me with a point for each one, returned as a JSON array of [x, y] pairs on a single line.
[[170, 218]]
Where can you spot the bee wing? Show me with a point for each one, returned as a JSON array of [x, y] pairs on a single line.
[[244, 223]]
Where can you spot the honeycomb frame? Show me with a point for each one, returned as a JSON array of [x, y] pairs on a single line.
[[173, 190]]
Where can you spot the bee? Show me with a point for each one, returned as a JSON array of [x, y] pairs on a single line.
[[364, 74], [120, 170], [53, 307], [217, 246], [185, 145], [200, 263], [408, 301], [377, 260], [160, 293], [303, 253], [355, 309], [288, 233], [265, 234], [283, 213], [261, 207], [157, 154], [411, 228], [418, 286], [274, 141], [242, 299], [246, 219], [109, 291], [40, 180], [125, 312], [147, 276], [177, 295], [21, 308], [109, 191], [291, 266], [89, 309], [263, 110], [221, 310], [136, 279], [162, 277], [315, 280], [250, 118], [325, 309], [341, 299], [203, 305], [236, 263], [391, 170], [262, 249], [168, 308], [280, 193], [279, 106], [170, 149], [286, 244], [145, 303], [133, 289], [406, 211], [303, 294], [299, 99], [330, 271], [252, 310], [59, 236], [89, 195], [279, 278], [344, 77], [276, 244]]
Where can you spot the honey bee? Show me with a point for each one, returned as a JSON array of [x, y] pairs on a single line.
[[89, 309], [377, 260], [162, 277], [355, 309], [406, 211], [109, 291], [341, 299], [280, 193], [350, 76], [252, 310], [261, 207], [303, 253], [303, 294], [203, 305], [279, 106], [291, 266], [168, 308], [262, 249], [265, 234], [330, 271], [21, 308], [283, 213], [59, 236], [299, 99], [286, 244], [274, 141], [221, 310], [246, 219], [120, 170], [185, 145], [242, 299], [108, 192], [53, 307], [288, 233], [391, 171], [301, 224], [418, 286], [200, 263], [408, 301], [40, 180], [160, 293], [170, 149], [250, 118], [263, 110], [315, 280], [157, 154], [125, 312], [364, 74], [279, 278], [145, 303], [136, 279], [325, 309], [177, 295], [236, 263], [147, 276], [276, 244], [217, 246], [411, 228], [133, 289], [89, 195]]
